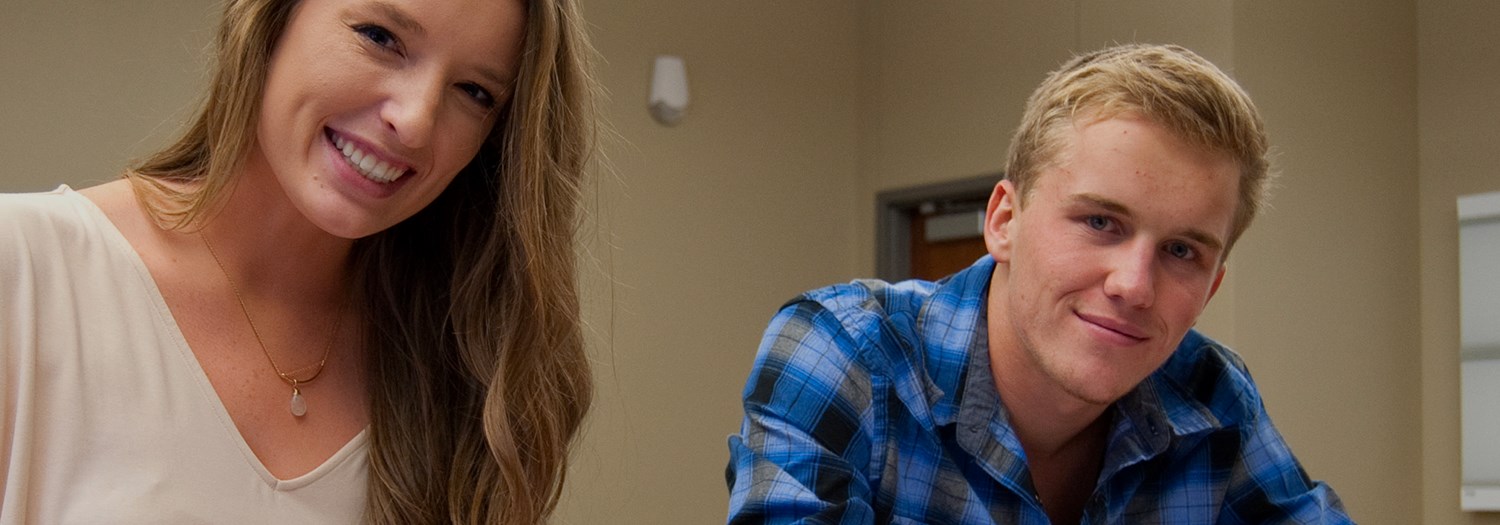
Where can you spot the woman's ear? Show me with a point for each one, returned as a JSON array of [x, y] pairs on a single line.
[[998, 217]]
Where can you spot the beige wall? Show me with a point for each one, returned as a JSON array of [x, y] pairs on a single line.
[[706, 228], [1459, 130], [802, 111], [1326, 301], [86, 86]]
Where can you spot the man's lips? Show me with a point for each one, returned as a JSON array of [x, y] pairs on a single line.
[[1123, 328]]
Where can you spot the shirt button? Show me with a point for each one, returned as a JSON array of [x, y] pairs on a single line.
[[974, 428]]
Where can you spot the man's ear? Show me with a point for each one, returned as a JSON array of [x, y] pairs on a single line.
[[1218, 280], [998, 217]]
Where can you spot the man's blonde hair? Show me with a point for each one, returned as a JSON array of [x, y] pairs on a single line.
[[1165, 84]]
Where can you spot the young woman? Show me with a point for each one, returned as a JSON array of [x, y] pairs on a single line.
[[345, 294]]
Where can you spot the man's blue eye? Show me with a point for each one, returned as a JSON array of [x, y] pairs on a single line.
[[1180, 250], [1097, 222]]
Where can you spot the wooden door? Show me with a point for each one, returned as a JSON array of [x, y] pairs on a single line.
[[945, 239]]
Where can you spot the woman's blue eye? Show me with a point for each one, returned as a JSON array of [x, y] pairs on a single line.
[[377, 35], [480, 95], [1097, 222]]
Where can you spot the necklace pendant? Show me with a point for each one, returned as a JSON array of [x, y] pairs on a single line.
[[299, 405]]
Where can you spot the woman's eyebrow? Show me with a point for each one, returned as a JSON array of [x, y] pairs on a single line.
[[398, 17]]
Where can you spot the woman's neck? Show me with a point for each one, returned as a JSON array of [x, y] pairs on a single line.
[[270, 249]]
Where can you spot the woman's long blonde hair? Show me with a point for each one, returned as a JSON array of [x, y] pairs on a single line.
[[479, 380]]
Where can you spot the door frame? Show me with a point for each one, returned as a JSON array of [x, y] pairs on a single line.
[[894, 210]]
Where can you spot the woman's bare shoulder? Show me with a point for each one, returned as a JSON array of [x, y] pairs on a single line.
[[121, 205], [117, 200]]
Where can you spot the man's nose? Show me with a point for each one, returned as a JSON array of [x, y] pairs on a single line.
[[1132, 278]]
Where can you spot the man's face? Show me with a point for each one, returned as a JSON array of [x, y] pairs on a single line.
[[1115, 253]]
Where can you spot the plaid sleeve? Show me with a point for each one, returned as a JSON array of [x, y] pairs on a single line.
[[1268, 485], [803, 447]]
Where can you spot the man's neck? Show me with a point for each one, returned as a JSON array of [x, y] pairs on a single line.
[[1046, 417], [1064, 439], [1048, 421], [1064, 436]]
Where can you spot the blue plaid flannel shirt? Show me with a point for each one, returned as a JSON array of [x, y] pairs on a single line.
[[873, 403]]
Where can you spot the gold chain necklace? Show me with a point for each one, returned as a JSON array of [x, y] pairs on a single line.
[[299, 405]]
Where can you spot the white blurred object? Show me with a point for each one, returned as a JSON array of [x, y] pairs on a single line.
[[669, 90], [1479, 379]]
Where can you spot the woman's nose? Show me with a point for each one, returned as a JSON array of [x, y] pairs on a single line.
[[411, 109]]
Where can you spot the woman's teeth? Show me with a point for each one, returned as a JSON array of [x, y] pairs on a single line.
[[366, 164]]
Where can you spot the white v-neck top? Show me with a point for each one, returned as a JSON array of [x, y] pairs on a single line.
[[107, 416]]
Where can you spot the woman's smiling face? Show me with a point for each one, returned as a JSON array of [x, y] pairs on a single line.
[[371, 107]]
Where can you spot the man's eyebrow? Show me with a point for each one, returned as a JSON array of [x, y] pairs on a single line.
[[1099, 201], [1102, 202]]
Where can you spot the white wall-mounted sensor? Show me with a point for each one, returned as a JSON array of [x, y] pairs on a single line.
[[669, 89]]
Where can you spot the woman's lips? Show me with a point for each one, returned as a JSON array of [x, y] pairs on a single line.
[[367, 163]]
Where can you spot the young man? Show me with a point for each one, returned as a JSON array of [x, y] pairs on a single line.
[[1057, 380]]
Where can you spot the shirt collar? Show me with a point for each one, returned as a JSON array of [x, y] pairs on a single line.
[[1149, 418], [953, 329]]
